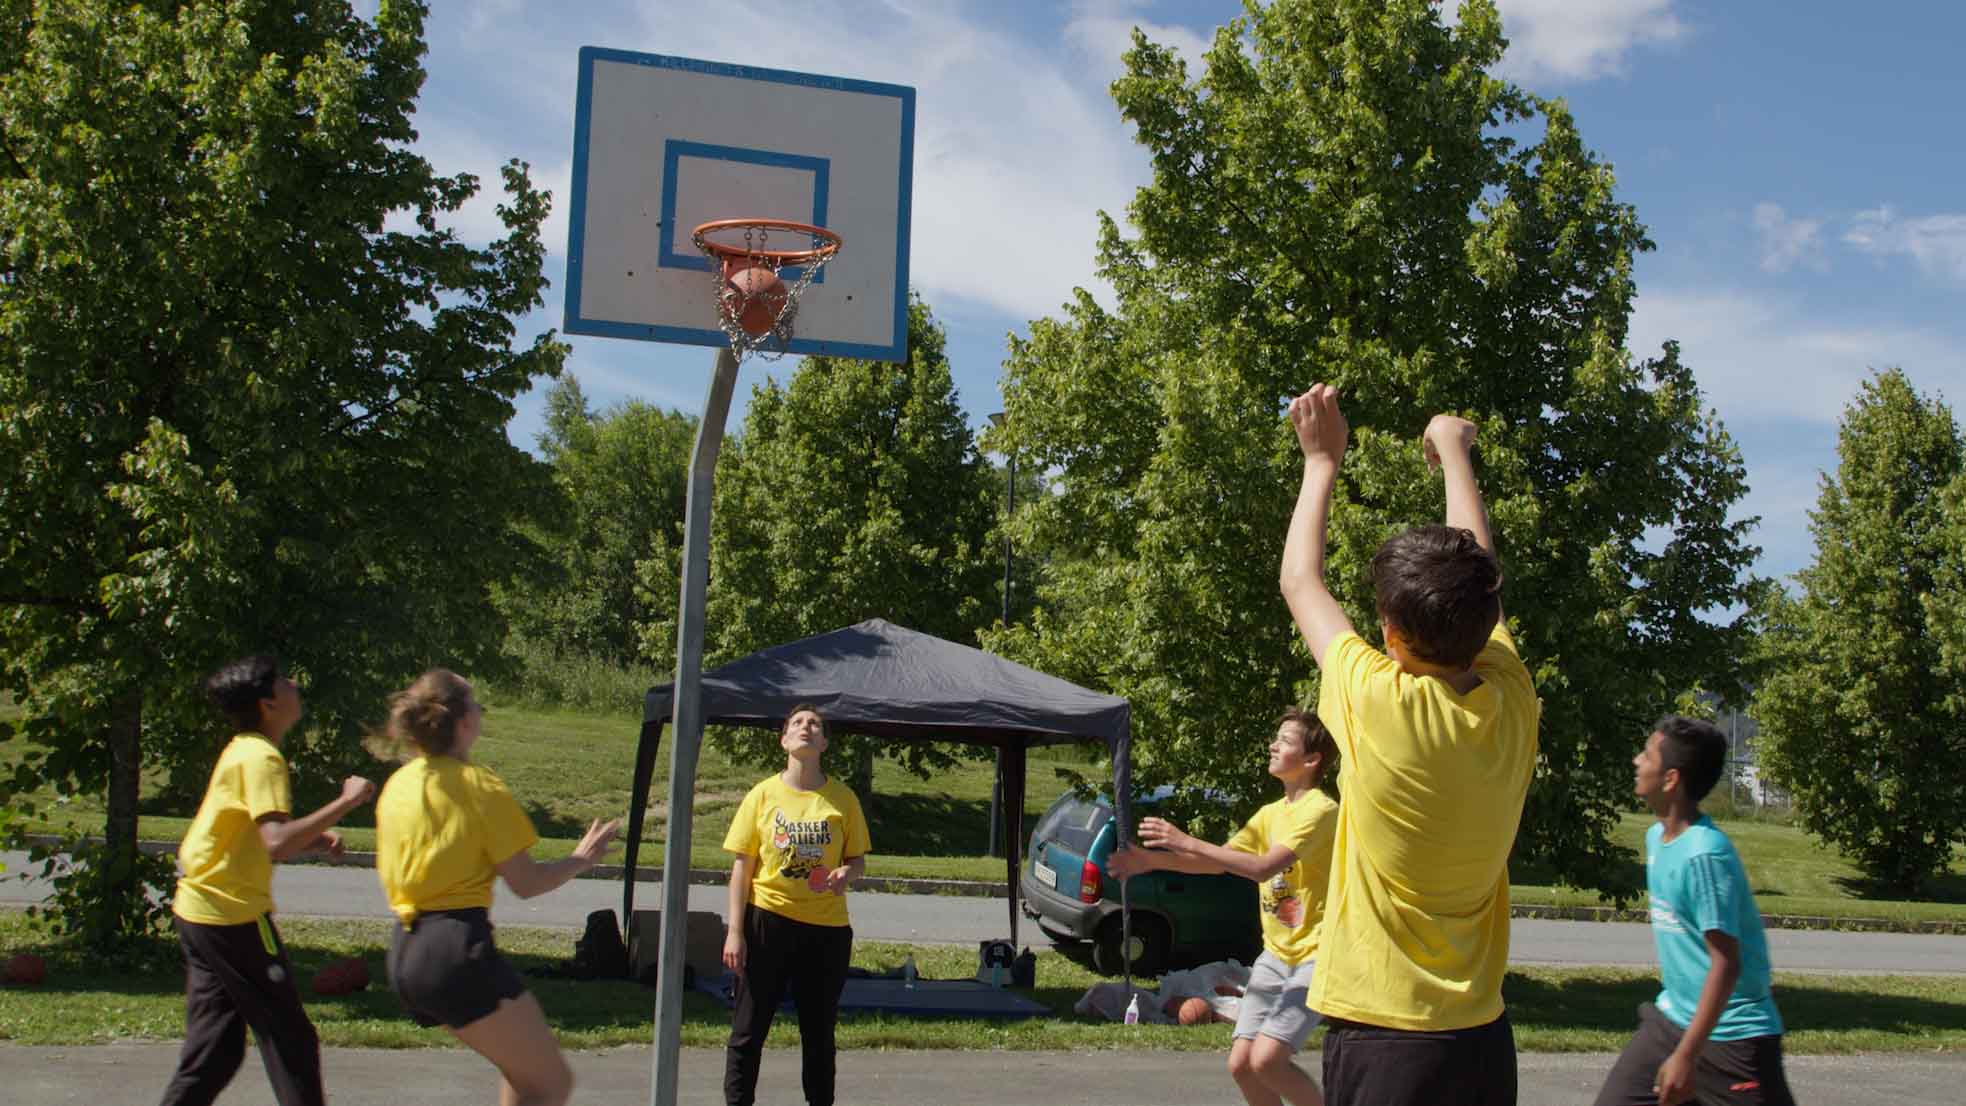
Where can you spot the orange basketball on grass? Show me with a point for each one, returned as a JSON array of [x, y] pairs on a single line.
[[1196, 1011], [760, 297]]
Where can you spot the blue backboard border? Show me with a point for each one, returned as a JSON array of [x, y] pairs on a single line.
[[575, 323]]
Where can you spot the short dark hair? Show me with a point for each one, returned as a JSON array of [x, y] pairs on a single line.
[[1441, 590], [1317, 739], [825, 727], [237, 688], [1696, 749]]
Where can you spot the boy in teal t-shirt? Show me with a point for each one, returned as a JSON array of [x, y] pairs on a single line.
[[1713, 1035]]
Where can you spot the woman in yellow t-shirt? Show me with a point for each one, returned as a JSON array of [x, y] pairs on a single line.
[[799, 838], [444, 828]]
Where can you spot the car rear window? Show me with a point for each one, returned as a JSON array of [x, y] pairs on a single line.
[[1075, 824]]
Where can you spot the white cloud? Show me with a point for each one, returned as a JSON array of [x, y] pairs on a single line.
[[1582, 39], [1780, 379], [1786, 242], [1762, 360], [1936, 242], [1102, 30]]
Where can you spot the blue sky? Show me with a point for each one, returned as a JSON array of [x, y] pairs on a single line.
[[1799, 165]]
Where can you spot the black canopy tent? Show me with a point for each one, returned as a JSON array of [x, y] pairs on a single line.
[[886, 681]]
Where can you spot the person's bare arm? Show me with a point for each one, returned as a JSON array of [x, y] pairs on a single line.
[[286, 838], [1674, 1081], [1321, 436], [529, 878], [738, 898], [1449, 443], [1183, 852]]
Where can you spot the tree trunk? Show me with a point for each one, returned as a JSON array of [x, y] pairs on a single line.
[[124, 736]]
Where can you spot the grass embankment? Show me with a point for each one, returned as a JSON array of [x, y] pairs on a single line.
[[569, 767], [1552, 1010]]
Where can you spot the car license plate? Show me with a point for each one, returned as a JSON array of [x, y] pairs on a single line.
[[1045, 875]]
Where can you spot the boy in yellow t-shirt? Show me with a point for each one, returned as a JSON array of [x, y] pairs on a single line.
[[798, 838], [1286, 849], [236, 971], [1439, 739]]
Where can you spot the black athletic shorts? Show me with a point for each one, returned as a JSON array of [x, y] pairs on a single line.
[[1369, 1065], [1730, 1073], [446, 969]]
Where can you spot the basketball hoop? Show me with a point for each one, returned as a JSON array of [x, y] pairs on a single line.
[[755, 306]]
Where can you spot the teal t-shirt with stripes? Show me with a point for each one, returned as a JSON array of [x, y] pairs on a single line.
[[1698, 885]]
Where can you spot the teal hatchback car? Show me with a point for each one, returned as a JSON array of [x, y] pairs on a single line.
[[1176, 917]]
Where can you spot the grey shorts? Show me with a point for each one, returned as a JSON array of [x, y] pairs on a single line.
[[1273, 1003]]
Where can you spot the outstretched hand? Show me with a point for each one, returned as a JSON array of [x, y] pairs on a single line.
[[1448, 434], [1159, 833], [594, 844], [1322, 432]]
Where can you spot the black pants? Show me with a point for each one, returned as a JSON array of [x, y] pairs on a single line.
[[811, 960], [1369, 1065], [1729, 1073], [234, 977]]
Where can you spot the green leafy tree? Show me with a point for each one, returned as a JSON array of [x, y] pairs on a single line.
[[252, 395], [1347, 194], [623, 474], [1862, 701], [855, 491]]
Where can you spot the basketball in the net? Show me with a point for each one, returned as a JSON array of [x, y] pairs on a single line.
[[760, 297]]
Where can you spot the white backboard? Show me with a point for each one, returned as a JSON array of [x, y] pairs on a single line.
[[662, 144]]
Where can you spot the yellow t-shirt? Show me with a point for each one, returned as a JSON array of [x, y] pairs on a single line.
[[1293, 900], [442, 827], [227, 875], [1434, 783], [794, 833]]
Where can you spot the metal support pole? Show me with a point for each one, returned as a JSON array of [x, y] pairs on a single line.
[[688, 730], [1010, 507]]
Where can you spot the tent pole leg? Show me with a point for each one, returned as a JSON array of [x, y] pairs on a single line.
[[688, 740]]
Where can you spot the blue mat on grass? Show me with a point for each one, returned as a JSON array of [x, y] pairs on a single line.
[[928, 998]]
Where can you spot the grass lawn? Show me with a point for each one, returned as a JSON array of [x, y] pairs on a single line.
[[569, 767], [1552, 1010]]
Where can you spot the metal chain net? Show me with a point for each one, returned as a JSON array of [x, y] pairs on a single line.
[[774, 343]]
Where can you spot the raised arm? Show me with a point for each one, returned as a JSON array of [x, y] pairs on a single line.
[[528, 877], [1321, 436], [1449, 442], [286, 838]]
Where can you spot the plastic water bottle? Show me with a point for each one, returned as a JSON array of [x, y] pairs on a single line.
[[1133, 1010], [908, 972]]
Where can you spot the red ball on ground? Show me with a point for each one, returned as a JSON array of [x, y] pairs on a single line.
[[343, 977], [26, 969], [1196, 1011], [760, 298]]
